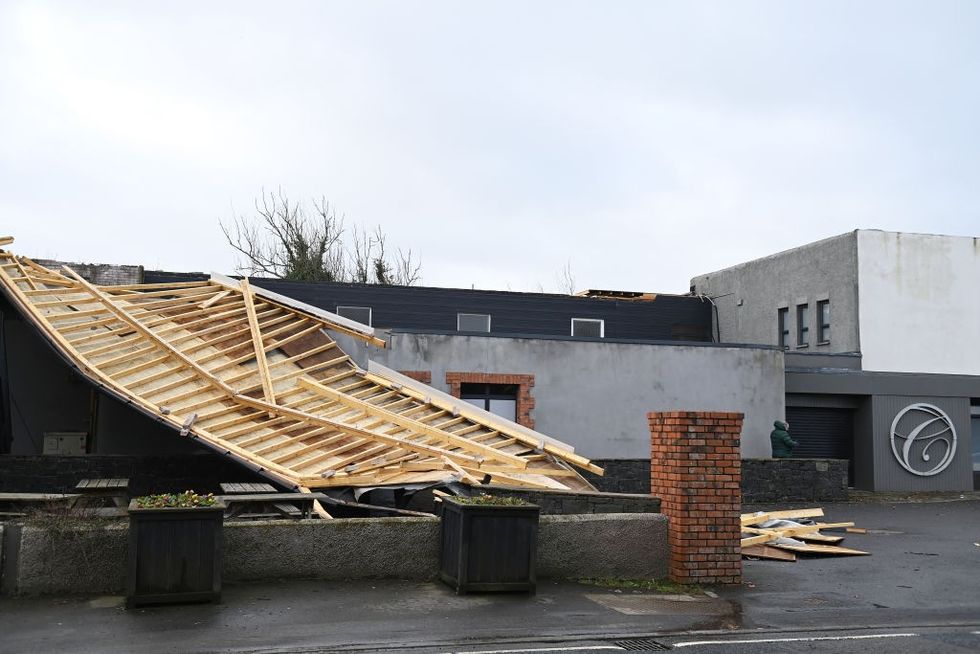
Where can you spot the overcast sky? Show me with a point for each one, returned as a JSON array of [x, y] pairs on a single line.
[[644, 142]]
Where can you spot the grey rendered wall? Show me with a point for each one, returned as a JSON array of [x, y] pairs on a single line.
[[826, 269], [596, 395], [889, 474], [69, 559]]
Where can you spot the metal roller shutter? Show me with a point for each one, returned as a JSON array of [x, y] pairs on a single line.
[[822, 433]]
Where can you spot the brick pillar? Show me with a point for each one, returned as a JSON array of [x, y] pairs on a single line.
[[695, 470]]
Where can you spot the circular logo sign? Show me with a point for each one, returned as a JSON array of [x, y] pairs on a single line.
[[915, 433]]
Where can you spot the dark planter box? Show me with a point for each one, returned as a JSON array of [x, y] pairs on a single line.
[[174, 555], [488, 548]]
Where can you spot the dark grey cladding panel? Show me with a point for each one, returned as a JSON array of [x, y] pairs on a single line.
[[881, 383], [165, 276], [864, 452], [817, 360], [832, 401], [889, 475], [668, 317]]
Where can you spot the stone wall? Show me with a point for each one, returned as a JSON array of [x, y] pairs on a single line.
[[103, 274], [557, 502], [621, 476], [619, 546], [794, 480], [60, 559], [147, 474]]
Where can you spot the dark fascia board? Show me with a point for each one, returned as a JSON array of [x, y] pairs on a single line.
[[584, 339], [111, 392], [864, 382]]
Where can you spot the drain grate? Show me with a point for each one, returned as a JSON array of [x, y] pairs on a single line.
[[642, 645]]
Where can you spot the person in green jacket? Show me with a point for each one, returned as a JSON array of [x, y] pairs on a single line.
[[782, 444]]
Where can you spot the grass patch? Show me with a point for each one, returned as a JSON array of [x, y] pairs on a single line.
[[656, 585]]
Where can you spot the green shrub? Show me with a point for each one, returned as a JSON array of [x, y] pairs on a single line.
[[185, 500]]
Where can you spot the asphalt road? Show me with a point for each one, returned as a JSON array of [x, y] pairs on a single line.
[[922, 579], [931, 640]]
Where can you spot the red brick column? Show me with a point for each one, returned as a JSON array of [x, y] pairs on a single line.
[[695, 470]]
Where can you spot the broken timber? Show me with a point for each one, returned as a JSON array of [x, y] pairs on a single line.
[[783, 538], [257, 377]]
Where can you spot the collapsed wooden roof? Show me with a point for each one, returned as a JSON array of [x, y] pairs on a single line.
[[255, 376]]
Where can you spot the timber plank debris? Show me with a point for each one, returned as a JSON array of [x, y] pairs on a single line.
[[257, 377], [781, 535]]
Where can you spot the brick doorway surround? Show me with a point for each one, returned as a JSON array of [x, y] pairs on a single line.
[[525, 402]]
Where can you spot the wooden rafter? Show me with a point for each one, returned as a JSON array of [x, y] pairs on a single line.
[[253, 325]]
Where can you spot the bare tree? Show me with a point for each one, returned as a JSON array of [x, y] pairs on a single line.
[[361, 251], [408, 271], [289, 241], [565, 279]]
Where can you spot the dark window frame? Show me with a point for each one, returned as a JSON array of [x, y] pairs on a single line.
[[782, 318], [488, 316], [487, 391], [803, 325], [823, 325]]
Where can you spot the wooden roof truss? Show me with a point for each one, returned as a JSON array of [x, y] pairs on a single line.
[[259, 378]]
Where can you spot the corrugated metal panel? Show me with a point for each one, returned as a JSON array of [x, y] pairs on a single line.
[[668, 317], [890, 475]]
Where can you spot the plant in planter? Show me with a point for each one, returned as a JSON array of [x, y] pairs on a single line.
[[175, 546], [489, 544]]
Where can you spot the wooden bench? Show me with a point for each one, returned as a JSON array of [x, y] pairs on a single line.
[[97, 492], [269, 505], [238, 488]]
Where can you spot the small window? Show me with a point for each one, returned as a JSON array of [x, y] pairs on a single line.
[[473, 322], [588, 327], [360, 314], [784, 328], [823, 318], [802, 325]]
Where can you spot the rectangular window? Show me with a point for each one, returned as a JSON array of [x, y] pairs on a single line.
[[823, 321], [473, 322], [360, 314], [784, 328], [802, 325], [498, 399], [588, 327]]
